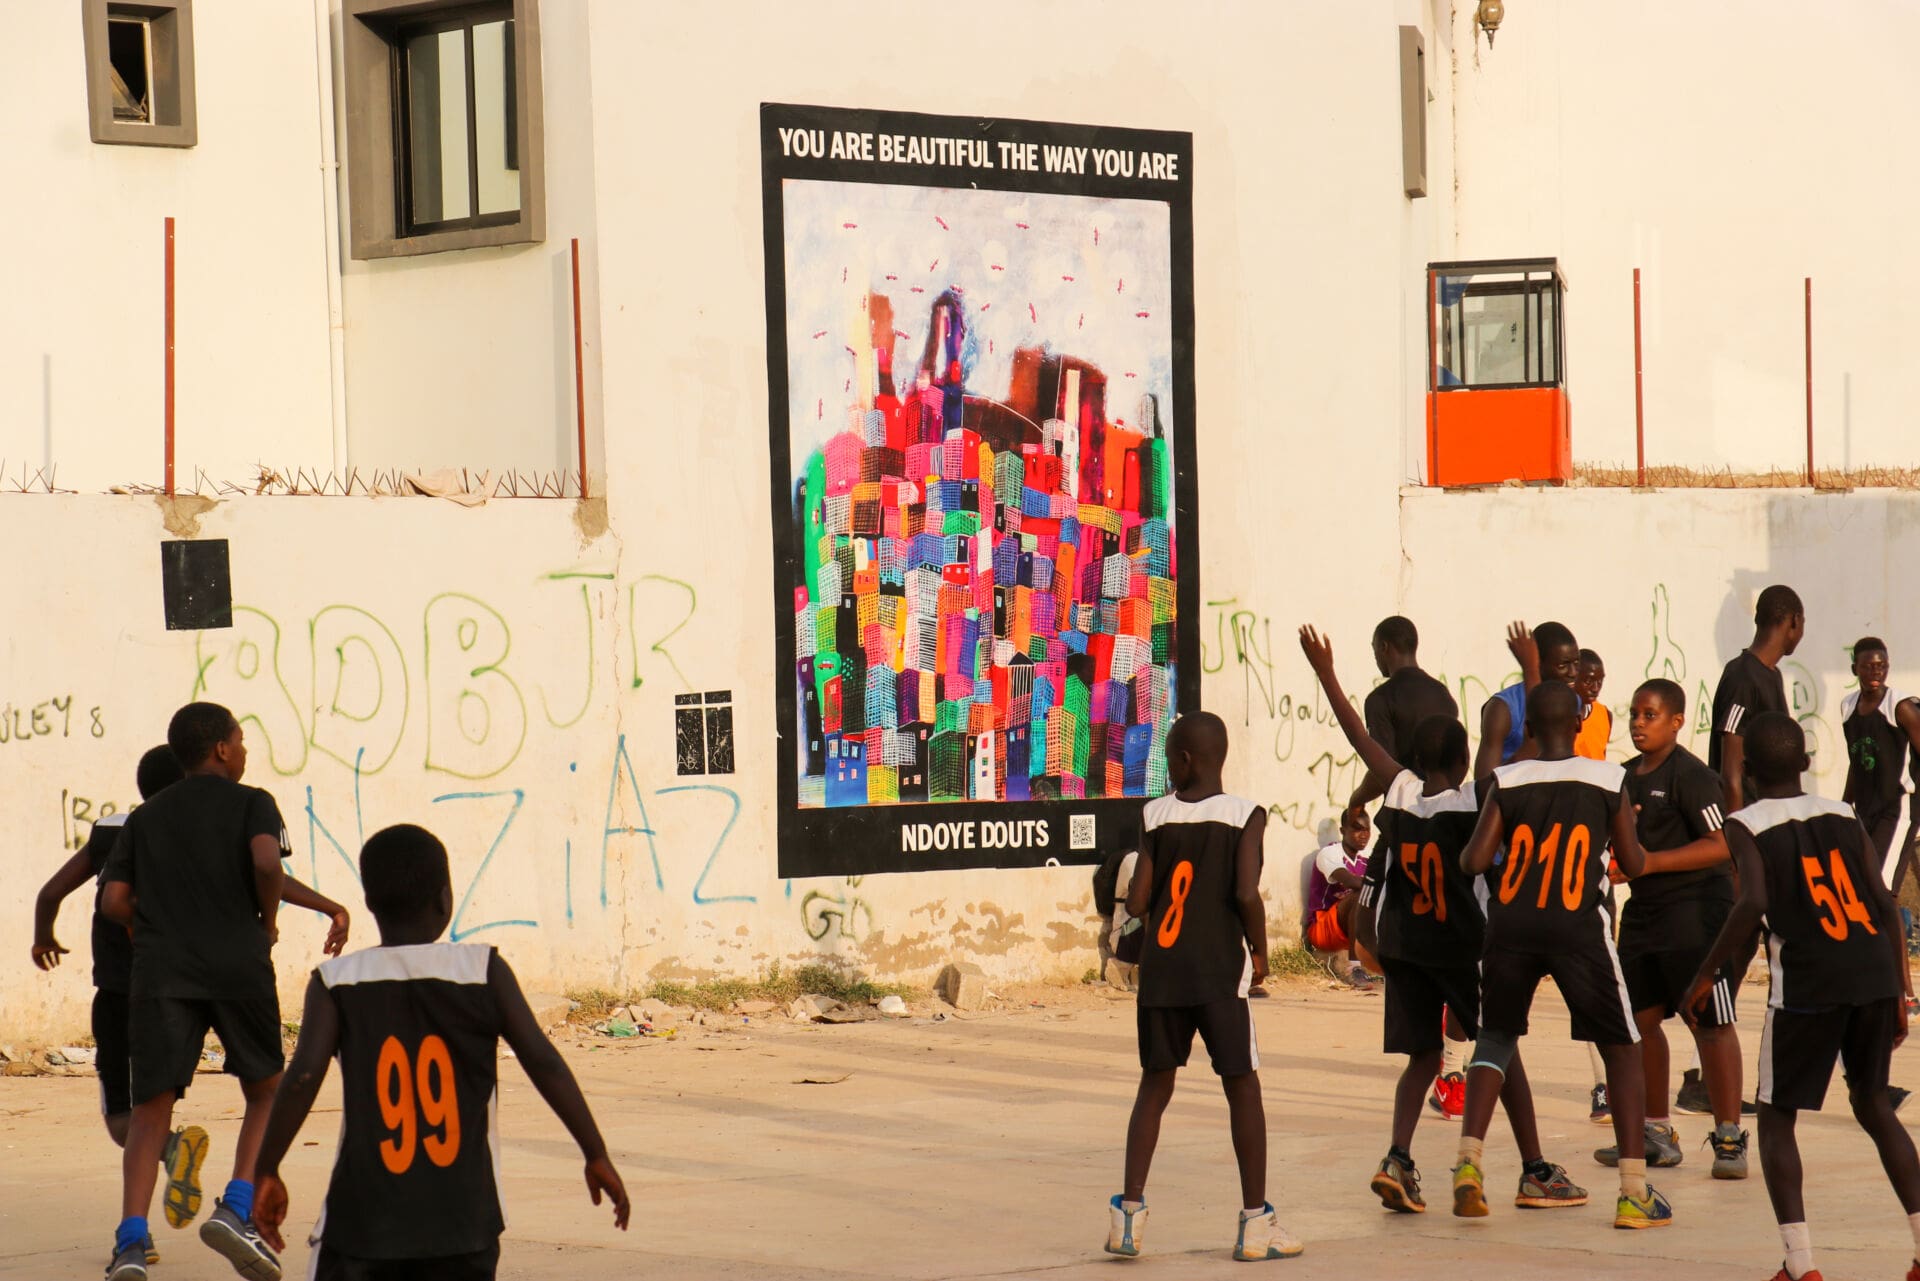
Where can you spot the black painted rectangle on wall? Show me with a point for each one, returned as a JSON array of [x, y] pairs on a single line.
[[689, 735], [984, 489], [196, 584]]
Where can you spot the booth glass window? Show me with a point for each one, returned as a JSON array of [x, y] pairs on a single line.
[[1497, 328]]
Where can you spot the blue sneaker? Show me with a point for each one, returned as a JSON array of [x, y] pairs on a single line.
[[1125, 1229]]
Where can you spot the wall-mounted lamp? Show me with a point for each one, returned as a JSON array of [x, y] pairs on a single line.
[[1487, 16]]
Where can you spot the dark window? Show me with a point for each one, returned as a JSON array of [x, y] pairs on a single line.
[[130, 58], [455, 103]]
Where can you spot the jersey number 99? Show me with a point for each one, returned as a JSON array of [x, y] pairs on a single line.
[[1573, 869], [403, 1107]]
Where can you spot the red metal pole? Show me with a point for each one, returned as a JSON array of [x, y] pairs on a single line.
[[579, 372], [169, 358], [1639, 401], [1809, 382]]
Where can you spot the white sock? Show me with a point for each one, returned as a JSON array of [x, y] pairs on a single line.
[[1256, 1212], [1599, 1064], [1659, 1120], [1694, 1064], [1133, 1207], [1799, 1245], [1633, 1177], [1913, 1222], [1453, 1055]]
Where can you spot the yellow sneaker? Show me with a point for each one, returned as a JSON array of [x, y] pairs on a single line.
[[1653, 1212], [1469, 1192], [185, 1153]]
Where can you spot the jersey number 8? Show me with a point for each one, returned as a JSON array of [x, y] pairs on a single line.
[[1573, 871], [439, 1106], [1181, 885]]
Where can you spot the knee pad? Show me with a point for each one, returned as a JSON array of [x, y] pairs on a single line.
[[1494, 1050]]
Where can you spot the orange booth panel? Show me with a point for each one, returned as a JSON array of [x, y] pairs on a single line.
[[1484, 436]]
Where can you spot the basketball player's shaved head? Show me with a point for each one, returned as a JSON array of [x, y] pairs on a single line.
[[1553, 712]]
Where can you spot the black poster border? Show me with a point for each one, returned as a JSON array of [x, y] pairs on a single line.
[[865, 840]]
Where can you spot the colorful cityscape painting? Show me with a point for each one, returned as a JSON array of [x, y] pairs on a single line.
[[983, 499]]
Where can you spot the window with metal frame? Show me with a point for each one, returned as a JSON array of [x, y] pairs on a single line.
[[454, 105]]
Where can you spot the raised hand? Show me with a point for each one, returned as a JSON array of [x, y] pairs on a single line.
[[1317, 648], [1525, 650]]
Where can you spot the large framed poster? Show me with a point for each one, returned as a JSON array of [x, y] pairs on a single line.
[[980, 375]]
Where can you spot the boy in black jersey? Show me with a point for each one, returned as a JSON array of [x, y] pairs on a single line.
[[1838, 969], [1405, 697], [1751, 684], [1671, 918], [112, 947], [197, 874], [1196, 886], [1544, 824], [416, 1024], [1882, 727], [1423, 918]]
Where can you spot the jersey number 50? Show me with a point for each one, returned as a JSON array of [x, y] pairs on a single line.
[[1573, 870], [438, 1103], [1422, 865]]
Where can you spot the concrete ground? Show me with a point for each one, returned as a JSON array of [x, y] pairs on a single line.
[[987, 1146]]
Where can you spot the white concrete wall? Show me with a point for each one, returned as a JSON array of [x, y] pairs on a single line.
[[1729, 151], [80, 311]]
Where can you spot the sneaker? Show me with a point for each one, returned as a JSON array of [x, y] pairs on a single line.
[[1692, 1098], [1469, 1192], [1663, 1149], [129, 1264], [1749, 1108], [1729, 1144], [1653, 1212], [1449, 1097], [1602, 1111], [148, 1248], [1897, 1096], [1548, 1189], [1397, 1184], [235, 1240], [1125, 1229], [1262, 1237], [182, 1157], [1356, 978], [1814, 1275]]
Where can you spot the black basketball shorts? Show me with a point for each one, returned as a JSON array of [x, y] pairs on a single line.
[[331, 1265], [1417, 998], [1587, 973], [111, 1061], [1798, 1047], [1226, 1026], [165, 1035]]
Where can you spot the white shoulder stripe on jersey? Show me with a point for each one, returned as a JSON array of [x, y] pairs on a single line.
[[449, 962], [1712, 817], [1734, 716], [1765, 815], [1232, 810], [111, 820], [1607, 775]]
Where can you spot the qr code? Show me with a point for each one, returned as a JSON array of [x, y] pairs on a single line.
[[1080, 832]]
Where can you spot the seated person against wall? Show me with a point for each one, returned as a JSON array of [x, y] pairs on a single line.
[[1337, 871]]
